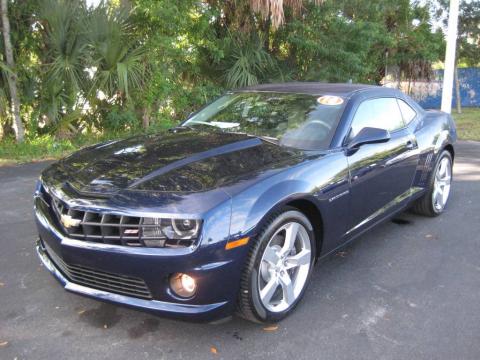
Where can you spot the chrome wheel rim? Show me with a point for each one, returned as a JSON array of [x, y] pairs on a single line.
[[284, 267], [441, 185]]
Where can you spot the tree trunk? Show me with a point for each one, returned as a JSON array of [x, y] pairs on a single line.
[[146, 117], [457, 91], [11, 75]]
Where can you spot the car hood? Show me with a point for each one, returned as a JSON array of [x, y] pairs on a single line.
[[187, 161]]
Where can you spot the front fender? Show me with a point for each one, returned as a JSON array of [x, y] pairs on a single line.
[[251, 207], [324, 182]]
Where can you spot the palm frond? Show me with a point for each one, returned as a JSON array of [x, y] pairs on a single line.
[[117, 54], [65, 53], [247, 63]]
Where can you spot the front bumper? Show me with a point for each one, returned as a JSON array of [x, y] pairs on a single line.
[[200, 312], [217, 276]]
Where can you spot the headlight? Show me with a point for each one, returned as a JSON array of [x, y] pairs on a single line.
[[185, 228], [170, 229]]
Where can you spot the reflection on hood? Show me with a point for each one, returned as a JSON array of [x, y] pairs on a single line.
[[187, 161]]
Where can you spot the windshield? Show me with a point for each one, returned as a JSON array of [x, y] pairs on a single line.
[[301, 121]]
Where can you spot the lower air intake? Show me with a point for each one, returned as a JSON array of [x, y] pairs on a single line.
[[119, 284]]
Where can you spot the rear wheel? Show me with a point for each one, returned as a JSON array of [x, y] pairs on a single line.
[[278, 268], [434, 201]]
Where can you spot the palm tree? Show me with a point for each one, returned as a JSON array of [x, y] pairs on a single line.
[[11, 74], [87, 51], [246, 62], [64, 57], [117, 55]]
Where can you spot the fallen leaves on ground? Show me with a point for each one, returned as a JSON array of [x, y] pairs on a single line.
[[3, 343], [429, 236], [214, 350], [2, 284], [271, 328], [342, 254], [80, 312]]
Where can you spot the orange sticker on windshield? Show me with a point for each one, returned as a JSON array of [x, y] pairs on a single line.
[[330, 100]]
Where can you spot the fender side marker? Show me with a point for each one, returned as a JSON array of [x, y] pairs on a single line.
[[236, 243]]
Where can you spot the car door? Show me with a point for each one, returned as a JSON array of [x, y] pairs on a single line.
[[381, 174]]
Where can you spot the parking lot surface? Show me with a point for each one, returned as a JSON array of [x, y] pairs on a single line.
[[409, 289]]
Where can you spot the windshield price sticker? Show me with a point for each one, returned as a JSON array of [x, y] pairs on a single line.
[[330, 100]]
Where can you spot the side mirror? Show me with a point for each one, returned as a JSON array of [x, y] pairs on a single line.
[[369, 135]]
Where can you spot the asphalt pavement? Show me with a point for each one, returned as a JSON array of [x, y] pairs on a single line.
[[409, 289]]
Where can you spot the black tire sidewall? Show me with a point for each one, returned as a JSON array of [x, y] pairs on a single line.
[[260, 311]]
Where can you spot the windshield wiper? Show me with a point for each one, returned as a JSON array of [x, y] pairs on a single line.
[[180, 128], [268, 139], [204, 123]]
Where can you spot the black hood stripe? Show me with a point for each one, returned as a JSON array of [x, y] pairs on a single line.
[[221, 150]]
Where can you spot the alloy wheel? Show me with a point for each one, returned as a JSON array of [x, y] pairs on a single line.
[[441, 185], [284, 267]]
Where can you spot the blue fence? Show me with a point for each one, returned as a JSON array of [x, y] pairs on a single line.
[[429, 95]]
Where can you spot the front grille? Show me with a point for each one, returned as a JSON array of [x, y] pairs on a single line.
[[96, 227], [101, 280], [110, 228]]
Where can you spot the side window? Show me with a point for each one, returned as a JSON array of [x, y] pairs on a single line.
[[382, 113], [407, 112]]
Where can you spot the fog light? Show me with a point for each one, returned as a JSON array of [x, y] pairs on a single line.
[[183, 285]]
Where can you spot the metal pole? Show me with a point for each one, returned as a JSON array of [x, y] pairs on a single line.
[[450, 56]]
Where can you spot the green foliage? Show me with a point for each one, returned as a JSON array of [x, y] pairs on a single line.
[[469, 33], [119, 120], [62, 55], [82, 63], [246, 62], [40, 148], [324, 46], [173, 33], [111, 68], [116, 54], [468, 40]]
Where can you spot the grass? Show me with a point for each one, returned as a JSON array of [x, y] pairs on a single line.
[[47, 147], [43, 148], [468, 123]]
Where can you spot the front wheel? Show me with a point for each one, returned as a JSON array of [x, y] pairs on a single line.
[[278, 268], [435, 199]]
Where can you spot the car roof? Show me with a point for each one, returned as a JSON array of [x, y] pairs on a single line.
[[313, 88]]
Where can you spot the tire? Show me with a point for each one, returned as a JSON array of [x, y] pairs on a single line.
[[430, 204], [271, 263]]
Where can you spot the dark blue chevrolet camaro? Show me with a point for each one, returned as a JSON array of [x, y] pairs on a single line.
[[229, 211]]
